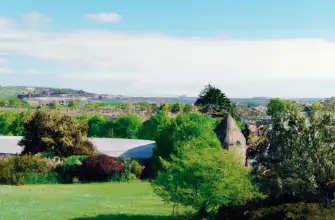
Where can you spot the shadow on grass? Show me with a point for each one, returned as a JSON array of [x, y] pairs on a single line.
[[129, 217]]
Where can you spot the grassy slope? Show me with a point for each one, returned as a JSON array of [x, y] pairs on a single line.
[[101, 201]]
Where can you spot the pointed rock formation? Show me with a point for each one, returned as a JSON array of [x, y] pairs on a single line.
[[231, 137]]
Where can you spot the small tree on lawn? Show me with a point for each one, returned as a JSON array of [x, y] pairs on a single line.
[[205, 179]]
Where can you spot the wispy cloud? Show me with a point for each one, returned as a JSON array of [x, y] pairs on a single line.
[[104, 17], [159, 64], [35, 16]]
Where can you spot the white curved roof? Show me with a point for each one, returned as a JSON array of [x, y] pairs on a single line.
[[114, 147]]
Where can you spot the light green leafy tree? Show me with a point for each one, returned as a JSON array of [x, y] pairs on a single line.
[[74, 104], [127, 126], [187, 108], [175, 108], [277, 106], [205, 178], [154, 126], [185, 128]]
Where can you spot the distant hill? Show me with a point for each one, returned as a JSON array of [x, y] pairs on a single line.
[[9, 91]]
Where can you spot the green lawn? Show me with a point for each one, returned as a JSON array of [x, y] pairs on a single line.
[[134, 200]]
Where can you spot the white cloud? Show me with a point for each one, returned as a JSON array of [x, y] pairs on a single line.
[[35, 17], [5, 70], [104, 17], [157, 64]]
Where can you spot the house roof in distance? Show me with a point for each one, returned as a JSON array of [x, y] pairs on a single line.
[[114, 147]]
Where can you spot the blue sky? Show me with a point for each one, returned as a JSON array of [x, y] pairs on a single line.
[[170, 48]]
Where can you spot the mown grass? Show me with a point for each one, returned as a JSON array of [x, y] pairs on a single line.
[[134, 200]]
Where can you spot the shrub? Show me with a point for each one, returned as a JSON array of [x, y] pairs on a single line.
[[13, 168], [295, 211], [74, 160], [41, 178], [136, 168], [96, 126], [133, 167], [67, 174], [71, 169], [127, 126], [176, 108], [47, 155], [126, 176], [153, 126], [101, 168], [149, 172], [188, 108], [53, 131]]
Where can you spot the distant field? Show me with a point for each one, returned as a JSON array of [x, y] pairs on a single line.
[[134, 200], [7, 96]]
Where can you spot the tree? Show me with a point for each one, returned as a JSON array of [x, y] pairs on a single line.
[[13, 103], [301, 157], [316, 107], [154, 126], [185, 129], [213, 97], [96, 126], [188, 108], [53, 131], [277, 106], [55, 105], [165, 107], [143, 105], [154, 108], [11, 123], [127, 126], [73, 104], [205, 179], [175, 108]]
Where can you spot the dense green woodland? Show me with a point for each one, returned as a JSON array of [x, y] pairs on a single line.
[[291, 177]]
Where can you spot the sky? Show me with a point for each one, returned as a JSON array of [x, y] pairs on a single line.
[[247, 48]]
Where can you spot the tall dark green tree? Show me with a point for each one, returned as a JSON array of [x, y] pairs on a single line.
[[213, 98]]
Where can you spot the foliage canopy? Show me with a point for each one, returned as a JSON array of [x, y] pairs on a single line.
[[53, 131]]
